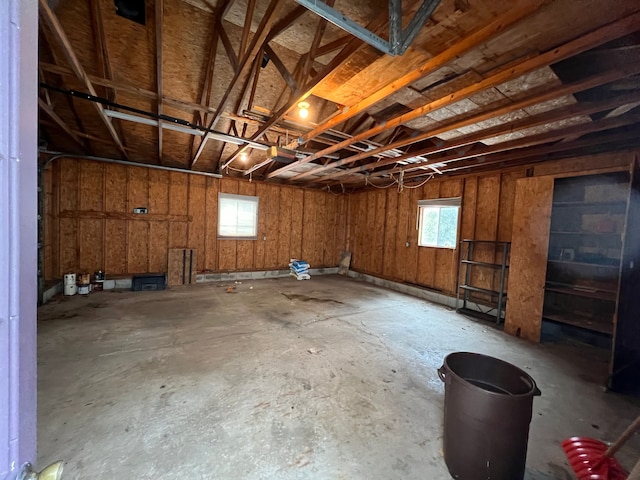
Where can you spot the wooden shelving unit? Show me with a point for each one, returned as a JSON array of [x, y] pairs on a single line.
[[585, 248], [494, 299]]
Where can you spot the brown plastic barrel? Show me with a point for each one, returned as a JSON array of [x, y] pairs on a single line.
[[487, 412]]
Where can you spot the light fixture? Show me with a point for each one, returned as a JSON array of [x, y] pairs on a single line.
[[243, 156], [303, 109]]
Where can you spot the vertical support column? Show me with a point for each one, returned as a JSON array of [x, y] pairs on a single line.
[[18, 233]]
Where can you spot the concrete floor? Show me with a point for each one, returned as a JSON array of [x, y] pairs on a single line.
[[326, 379]]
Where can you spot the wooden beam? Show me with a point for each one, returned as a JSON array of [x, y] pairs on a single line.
[[543, 118], [207, 85], [56, 28], [99, 37], [557, 92], [243, 68], [159, 21], [612, 141], [231, 55], [60, 122], [480, 36], [132, 89], [248, 18], [315, 43], [546, 137], [282, 69], [285, 22], [597, 37], [331, 47]]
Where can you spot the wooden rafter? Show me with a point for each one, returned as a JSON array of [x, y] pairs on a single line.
[[332, 46], [243, 68], [228, 48], [550, 94], [353, 45], [159, 21], [315, 43], [546, 137], [282, 69], [480, 36], [56, 28], [617, 140], [132, 89], [248, 18], [543, 118], [255, 71], [60, 122], [597, 37], [199, 117]]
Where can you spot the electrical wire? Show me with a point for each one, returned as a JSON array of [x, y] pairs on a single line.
[[367, 182], [422, 184]]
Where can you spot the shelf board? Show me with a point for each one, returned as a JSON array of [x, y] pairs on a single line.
[[586, 264], [586, 292], [483, 290], [581, 322], [484, 264], [481, 315]]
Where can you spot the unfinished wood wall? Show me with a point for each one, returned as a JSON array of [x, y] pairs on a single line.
[[90, 225], [383, 236]]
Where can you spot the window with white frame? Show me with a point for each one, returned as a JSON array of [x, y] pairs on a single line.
[[237, 216], [438, 222]]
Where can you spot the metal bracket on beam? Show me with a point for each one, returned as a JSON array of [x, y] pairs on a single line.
[[399, 39]]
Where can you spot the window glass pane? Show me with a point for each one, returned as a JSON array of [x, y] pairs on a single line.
[[429, 226], [238, 216], [448, 227]]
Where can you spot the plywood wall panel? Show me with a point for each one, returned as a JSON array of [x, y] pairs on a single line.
[[331, 229], [90, 245], [116, 182], [91, 186], [487, 209], [391, 223], [115, 255], [183, 213], [69, 251], [158, 246], [469, 202], [321, 230], [138, 194], [412, 232], [402, 236], [532, 218], [378, 233], [196, 211], [138, 247], [259, 245], [211, 225], [297, 218], [158, 192], [273, 212], [309, 227], [284, 226]]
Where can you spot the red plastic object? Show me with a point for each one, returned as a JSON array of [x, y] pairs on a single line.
[[589, 462]]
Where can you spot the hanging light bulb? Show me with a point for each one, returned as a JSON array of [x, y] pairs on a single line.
[[243, 156], [303, 109]]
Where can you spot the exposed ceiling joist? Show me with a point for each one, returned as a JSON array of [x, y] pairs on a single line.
[[56, 28], [595, 38]]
